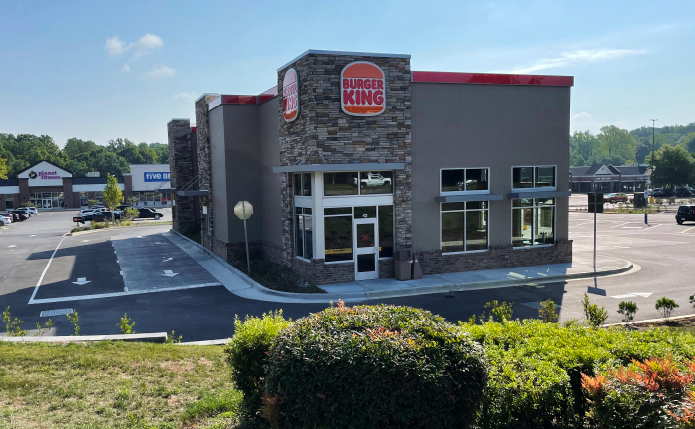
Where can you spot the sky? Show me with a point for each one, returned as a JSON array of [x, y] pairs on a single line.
[[101, 70]]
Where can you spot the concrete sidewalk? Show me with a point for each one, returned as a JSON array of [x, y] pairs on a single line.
[[241, 285]]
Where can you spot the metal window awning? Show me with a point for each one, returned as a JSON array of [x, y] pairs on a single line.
[[473, 197], [366, 166], [539, 194], [197, 193]]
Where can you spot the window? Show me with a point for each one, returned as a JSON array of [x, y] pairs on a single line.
[[464, 226], [533, 177], [301, 183], [303, 233], [9, 201], [533, 222], [337, 224], [385, 231], [345, 183], [464, 179]]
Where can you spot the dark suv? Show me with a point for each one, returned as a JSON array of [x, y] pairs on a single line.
[[685, 214]]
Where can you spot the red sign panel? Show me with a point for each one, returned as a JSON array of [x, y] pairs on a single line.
[[363, 89], [290, 95]]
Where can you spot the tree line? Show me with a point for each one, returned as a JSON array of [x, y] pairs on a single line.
[[18, 152]]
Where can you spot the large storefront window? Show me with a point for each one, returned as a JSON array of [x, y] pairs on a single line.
[[9, 201], [464, 226], [346, 183], [338, 229], [533, 222], [533, 177], [464, 179], [303, 233], [47, 200]]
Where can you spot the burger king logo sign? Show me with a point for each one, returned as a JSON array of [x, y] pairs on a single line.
[[363, 91], [290, 95]]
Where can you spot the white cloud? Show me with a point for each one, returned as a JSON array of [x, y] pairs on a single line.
[[187, 96], [581, 116], [116, 47], [578, 57], [125, 69], [159, 72]]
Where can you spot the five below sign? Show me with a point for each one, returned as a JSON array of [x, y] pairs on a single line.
[[156, 177], [363, 91]]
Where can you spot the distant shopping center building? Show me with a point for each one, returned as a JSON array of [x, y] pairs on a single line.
[[609, 178], [48, 186], [354, 156]]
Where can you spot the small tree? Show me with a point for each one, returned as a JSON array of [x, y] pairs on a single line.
[[595, 315], [547, 311], [126, 325], [112, 194], [3, 168], [666, 306], [627, 310], [75, 319], [131, 213], [132, 201], [498, 312], [92, 203], [27, 204], [12, 327]]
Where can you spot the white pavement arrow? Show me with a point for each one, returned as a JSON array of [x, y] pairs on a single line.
[[82, 281], [169, 273], [642, 294]]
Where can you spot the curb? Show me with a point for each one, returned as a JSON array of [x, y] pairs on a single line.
[[422, 290], [687, 316], [155, 337], [111, 228]]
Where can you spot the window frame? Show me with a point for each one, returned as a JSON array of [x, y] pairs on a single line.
[[465, 192], [294, 233], [359, 190], [533, 207], [352, 218], [534, 187], [441, 213]]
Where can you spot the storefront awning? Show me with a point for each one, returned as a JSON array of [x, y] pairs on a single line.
[[367, 166], [197, 193], [539, 194], [473, 197]]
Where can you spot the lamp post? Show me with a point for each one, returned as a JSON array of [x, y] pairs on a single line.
[[651, 176]]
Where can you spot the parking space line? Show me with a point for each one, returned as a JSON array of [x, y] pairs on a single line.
[[119, 294], [36, 289], [658, 224], [683, 232], [615, 226]]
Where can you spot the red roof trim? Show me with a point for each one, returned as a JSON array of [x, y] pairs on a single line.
[[194, 129], [492, 79], [251, 99]]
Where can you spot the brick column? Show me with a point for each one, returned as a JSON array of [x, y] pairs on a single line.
[[205, 166], [181, 168]]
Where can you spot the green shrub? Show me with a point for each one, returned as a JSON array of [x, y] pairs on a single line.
[[374, 367], [498, 312], [666, 306], [594, 314], [547, 312], [526, 393], [247, 354], [627, 310]]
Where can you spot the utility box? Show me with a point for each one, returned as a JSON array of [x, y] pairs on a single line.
[[639, 200], [403, 261], [595, 202]]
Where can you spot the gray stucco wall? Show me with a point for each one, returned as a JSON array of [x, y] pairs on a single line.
[[269, 139], [243, 169], [494, 126], [219, 170]]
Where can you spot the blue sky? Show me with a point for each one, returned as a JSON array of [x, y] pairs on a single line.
[[100, 70]]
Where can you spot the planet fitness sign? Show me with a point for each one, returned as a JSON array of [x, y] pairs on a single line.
[[290, 95], [363, 92], [45, 175], [157, 177]]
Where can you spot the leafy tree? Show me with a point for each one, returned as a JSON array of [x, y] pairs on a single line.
[[584, 148], [617, 145], [112, 194], [643, 149], [3, 168], [689, 142], [673, 166]]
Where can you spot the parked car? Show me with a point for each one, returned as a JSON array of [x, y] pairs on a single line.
[[684, 191], [104, 216], [375, 179], [685, 214], [21, 215], [25, 211], [5, 219], [146, 212], [663, 192], [615, 198]]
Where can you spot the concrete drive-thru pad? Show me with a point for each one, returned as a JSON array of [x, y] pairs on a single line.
[[241, 285], [153, 262]]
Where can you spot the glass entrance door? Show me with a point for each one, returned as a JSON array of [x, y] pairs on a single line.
[[365, 241], [47, 203]]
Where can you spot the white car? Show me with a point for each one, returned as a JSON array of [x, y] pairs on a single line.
[[32, 210], [5, 219]]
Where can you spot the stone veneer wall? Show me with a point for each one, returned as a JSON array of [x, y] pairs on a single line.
[[504, 256], [323, 133], [181, 167], [205, 170]]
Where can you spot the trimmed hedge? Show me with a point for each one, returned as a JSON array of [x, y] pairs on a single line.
[[374, 367], [247, 353]]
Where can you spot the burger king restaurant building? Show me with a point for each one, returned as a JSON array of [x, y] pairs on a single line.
[[354, 156]]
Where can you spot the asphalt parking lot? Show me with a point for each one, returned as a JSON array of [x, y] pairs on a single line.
[[138, 271]]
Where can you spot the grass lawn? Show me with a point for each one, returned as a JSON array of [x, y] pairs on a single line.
[[115, 385]]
